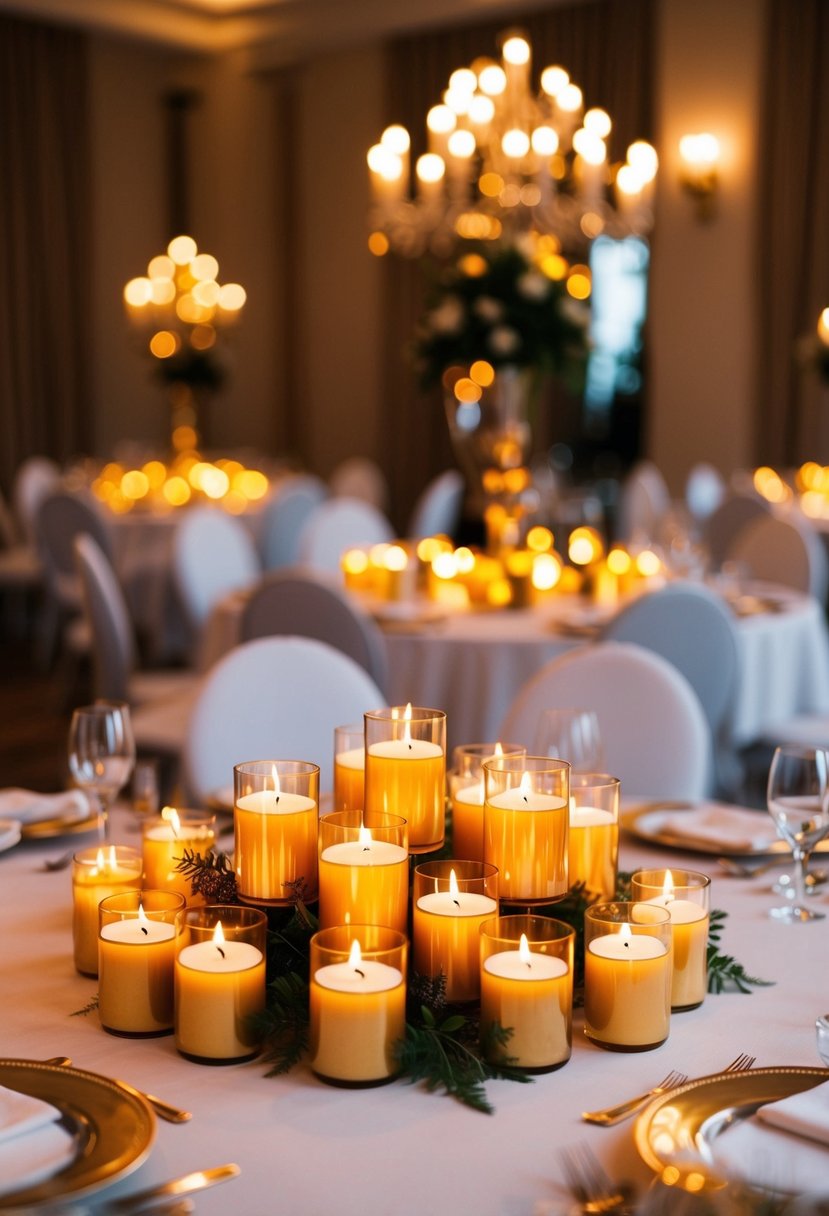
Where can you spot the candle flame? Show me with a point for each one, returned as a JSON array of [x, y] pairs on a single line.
[[626, 935], [499, 751], [668, 889], [524, 952], [355, 956], [454, 889], [275, 776], [526, 786], [364, 837], [218, 934], [407, 724], [142, 915], [170, 815]]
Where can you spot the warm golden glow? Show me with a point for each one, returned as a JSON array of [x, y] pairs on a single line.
[[354, 561], [570, 98], [554, 266], [553, 80], [204, 266], [578, 283], [396, 558], [618, 561], [473, 265], [138, 292], [378, 244], [515, 143], [467, 390], [430, 167], [440, 120], [584, 546], [182, 249], [176, 491], [642, 157], [232, 297], [465, 560], [135, 484], [545, 141], [161, 267], [482, 373], [546, 571], [490, 184], [164, 344], [539, 539], [823, 326], [396, 138], [492, 80], [648, 563]]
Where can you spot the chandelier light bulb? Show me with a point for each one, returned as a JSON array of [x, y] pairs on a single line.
[[138, 292], [516, 50], [441, 120], [481, 109], [204, 266], [515, 143], [430, 167], [396, 139], [570, 98], [702, 151], [598, 122], [161, 267], [492, 80], [384, 162], [589, 146], [545, 141], [463, 80], [642, 156], [628, 180], [553, 80], [457, 101], [462, 143], [182, 249], [823, 326]]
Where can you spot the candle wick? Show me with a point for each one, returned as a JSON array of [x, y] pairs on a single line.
[[410, 747], [456, 903], [144, 930], [221, 951], [626, 945], [525, 797], [366, 848], [361, 974], [529, 966], [277, 799]]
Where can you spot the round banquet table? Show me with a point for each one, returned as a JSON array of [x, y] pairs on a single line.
[[308, 1148]]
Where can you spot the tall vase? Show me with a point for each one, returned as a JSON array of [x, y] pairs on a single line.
[[492, 438]]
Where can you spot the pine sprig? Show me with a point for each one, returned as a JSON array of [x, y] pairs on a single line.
[[211, 875], [90, 1007], [283, 1025], [724, 972]]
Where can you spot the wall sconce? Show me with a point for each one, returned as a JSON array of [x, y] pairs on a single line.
[[700, 155]]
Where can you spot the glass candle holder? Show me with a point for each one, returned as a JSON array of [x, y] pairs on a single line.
[[527, 987], [276, 813], [686, 896], [406, 770], [219, 982], [136, 956], [526, 826], [349, 768], [450, 902], [145, 787], [357, 1003], [627, 975], [363, 870], [594, 833], [97, 872], [466, 794], [164, 841]]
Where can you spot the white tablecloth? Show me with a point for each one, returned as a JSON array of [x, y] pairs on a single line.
[[311, 1149]]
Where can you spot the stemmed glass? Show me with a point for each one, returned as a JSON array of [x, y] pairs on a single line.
[[573, 735], [798, 801], [101, 754]]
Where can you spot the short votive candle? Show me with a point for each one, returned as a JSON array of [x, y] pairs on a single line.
[[686, 896], [450, 902], [349, 768], [357, 1003], [276, 815], [136, 957], [97, 872], [627, 975], [594, 833], [406, 770], [526, 812], [527, 988], [363, 870], [219, 982], [164, 840], [466, 793]]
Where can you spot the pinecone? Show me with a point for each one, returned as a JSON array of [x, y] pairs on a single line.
[[217, 886]]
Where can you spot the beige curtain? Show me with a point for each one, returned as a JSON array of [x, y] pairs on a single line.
[[606, 45], [793, 258], [45, 221]]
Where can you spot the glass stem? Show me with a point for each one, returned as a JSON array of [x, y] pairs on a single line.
[[801, 862], [99, 805]]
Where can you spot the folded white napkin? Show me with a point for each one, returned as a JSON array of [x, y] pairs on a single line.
[[757, 1152], [723, 826], [804, 1114], [33, 1146], [21, 1113], [27, 806]]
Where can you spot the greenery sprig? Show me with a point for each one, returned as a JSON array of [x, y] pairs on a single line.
[[724, 972]]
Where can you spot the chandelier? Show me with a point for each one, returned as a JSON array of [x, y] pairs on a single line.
[[504, 158]]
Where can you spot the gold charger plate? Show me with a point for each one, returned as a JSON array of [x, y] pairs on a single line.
[[642, 822], [115, 1128], [60, 825], [674, 1132]]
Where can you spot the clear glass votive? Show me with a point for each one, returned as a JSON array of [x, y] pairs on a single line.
[[97, 872], [594, 833], [357, 1003], [466, 794], [406, 770], [145, 787], [526, 826], [276, 813], [627, 975], [527, 988], [822, 1036], [686, 895], [450, 902], [136, 956], [164, 840], [349, 767], [363, 870], [219, 982]]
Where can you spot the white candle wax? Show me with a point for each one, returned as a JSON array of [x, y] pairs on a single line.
[[354, 758], [517, 799], [619, 946], [471, 795], [137, 932], [589, 816], [465, 903], [373, 853], [267, 802], [405, 749], [369, 977], [682, 911], [689, 934], [509, 965], [221, 957]]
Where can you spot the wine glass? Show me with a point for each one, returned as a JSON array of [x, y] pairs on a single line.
[[101, 754], [573, 735], [798, 802]]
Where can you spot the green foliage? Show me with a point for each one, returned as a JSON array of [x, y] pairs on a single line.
[[90, 1007], [283, 1025], [724, 972]]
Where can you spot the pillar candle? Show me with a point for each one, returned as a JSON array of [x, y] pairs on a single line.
[[468, 822], [627, 990], [163, 845], [364, 881], [276, 844], [446, 938], [593, 849], [135, 976], [219, 985], [407, 777], [97, 873], [349, 779], [525, 836], [532, 994]]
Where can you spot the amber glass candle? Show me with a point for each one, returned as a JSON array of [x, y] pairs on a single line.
[[406, 770], [466, 793], [363, 870], [526, 812], [685, 895], [275, 818], [136, 953], [349, 768], [164, 839], [97, 872], [627, 975], [450, 902], [594, 833]]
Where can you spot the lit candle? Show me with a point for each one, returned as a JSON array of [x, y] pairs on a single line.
[[593, 849], [531, 994], [525, 836], [627, 984], [406, 774], [357, 1011], [164, 842], [219, 986], [685, 897], [349, 779], [275, 831], [446, 930], [97, 873], [364, 881], [136, 956], [468, 821]]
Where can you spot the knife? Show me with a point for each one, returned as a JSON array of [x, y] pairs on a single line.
[[176, 1186]]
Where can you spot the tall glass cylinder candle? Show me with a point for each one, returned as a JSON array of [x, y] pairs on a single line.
[[406, 770], [627, 975], [357, 1003], [349, 768], [594, 833], [276, 817], [527, 988], [97, 872], [450, 902], [363, 870], [526, 826], [219, 982], [136, 956], [685, 894], [466, 794], [164, 840]]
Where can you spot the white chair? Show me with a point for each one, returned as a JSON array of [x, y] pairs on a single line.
[[705, 489], [284, 518], [438, 508], [213, 553], [36, 477], [359, 477], [337, 525], [785, 551], [690, 626], [653, 729], [309, 604], [644, 500], [727, 520], [271, 699]]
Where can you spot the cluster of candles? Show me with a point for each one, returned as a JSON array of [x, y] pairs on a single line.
[[525, 831]]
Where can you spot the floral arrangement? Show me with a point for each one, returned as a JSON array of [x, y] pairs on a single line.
[[494, 302]]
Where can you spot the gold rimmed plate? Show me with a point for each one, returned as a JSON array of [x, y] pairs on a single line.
[[113, 1129], [654, 823], [59, 825], [675, 1133]]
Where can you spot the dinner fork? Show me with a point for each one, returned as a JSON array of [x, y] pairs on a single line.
[[590, 1186], [615, 1114]]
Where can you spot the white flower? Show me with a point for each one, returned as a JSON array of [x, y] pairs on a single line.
[[447, 318], [574, 311], [533, 285], [503, 340], [488, 309]]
